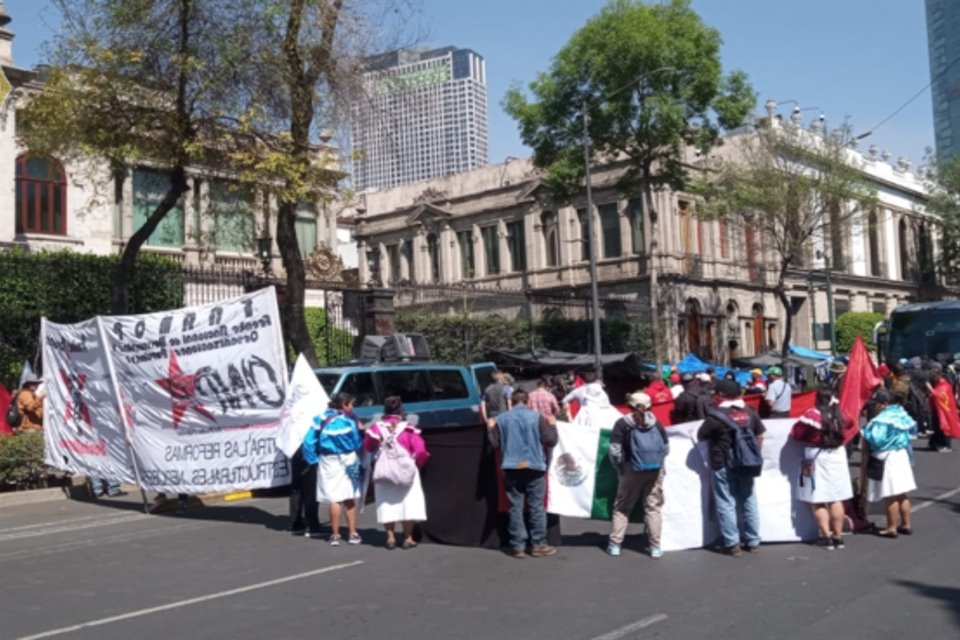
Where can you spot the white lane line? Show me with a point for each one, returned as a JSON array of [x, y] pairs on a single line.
[[936, 499], [185, 603], [623, 631], [52, 523], [63, 527], [94, 542]]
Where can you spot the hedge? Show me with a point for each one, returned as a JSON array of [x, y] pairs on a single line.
[[333, 344], [854, 323], [21, 461], [69, 287], [464, 339]]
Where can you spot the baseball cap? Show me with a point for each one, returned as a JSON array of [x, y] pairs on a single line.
[[704, 377], [728, 389], [756, 372], [774, 371], [639, 400], [686, 377]]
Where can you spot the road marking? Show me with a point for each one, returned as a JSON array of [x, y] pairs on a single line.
[[936, 499], [94, 542], [66, 526], [622, 631], [239, 495], [51, 523], [190, 601]]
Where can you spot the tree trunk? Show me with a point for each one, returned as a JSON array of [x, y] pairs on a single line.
[[781, 291], [654, 285], [295, 320], [126, 270]]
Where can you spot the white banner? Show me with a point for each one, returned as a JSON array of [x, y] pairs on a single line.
[[82, 427], [306, 398], [204, 387]]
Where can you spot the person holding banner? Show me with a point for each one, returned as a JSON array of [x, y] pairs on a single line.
[[337, 439], [304, 520], [30, 404], [944, 414], [889, 466], [396, 476], [824, 480]]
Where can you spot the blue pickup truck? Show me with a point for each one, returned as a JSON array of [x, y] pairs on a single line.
[[441, 395]]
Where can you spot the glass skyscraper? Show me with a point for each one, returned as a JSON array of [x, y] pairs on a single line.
[[943, 40], [423, 115]]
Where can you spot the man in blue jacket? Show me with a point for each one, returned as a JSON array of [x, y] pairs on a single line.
[[522, 434]]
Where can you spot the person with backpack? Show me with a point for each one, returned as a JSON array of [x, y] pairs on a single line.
[[638, 448], [692, 404], [824, 478], [336, 439], [495, 399], [890, 463], [735, 435], [26, 407], [523, 436], [401, 451]]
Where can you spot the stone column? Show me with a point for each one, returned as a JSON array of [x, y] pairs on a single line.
[[447, 240], [379, 313]]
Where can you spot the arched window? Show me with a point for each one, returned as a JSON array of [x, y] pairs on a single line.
[[905, 271], [873, 234], [693, 327], [757, 329], [41, 200], [551, 238]]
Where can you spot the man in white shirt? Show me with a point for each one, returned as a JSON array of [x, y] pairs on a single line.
[[779, 394]]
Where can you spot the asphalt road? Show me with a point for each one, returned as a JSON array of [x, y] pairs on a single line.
[[105, 571]]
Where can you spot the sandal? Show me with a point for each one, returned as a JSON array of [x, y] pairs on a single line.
[[907, 531], [407, 544], [887, 534], [391, 545]]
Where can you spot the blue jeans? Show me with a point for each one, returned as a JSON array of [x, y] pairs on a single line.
[[526, 486], [730, 492], [113, 487]]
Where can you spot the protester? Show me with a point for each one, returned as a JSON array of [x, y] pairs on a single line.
[[638, 446], [692, 404], [542, 401], [100, 486], [304, 519], [824, 480], [508, 386], [658, 391], [495, 400], [675, 387], [522, 434], [779, 395], [943, 408], [757, 384], [711, 379], [837, 372], [396, 476], [724, 427], [595, 406], [899, 382], [30, 406], [336, 438], [889, 470]]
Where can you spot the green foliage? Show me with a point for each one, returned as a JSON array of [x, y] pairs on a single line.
[[21, 460], [652, 81], [69, 287], [853, 324], [465, 339], [332, 343], [945, 203]]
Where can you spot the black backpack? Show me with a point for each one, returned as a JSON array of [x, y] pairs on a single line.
[[14, 417]]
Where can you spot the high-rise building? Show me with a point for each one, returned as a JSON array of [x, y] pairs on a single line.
[[943, 40], [424, 115]]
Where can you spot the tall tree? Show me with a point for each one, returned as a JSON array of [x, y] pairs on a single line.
[[795, 189], [137, 81], [651, 82], [945, 203]]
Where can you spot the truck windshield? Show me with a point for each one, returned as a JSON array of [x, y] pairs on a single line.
[[924, 333]]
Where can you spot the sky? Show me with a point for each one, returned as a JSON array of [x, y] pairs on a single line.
[[856, 58]]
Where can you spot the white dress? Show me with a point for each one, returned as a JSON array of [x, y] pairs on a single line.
[[398, 504], [831, 477], [334, 483], [897, 476]]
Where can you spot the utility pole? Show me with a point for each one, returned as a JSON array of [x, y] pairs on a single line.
[[591, 245]]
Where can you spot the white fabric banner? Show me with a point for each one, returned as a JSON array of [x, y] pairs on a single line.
[[204, 387], [688, 513], [83, 430], [306, 399]]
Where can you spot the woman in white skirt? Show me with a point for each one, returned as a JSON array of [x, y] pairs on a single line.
[[890, 468], [396, 482], [337, 439], [824, 479]]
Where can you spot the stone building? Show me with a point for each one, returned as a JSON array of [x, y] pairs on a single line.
[[496, 229], [82, 205]]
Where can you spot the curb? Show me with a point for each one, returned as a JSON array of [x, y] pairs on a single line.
[[33, 496], [79, 491]]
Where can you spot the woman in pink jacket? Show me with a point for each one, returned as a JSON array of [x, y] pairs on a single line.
[[401, 451]]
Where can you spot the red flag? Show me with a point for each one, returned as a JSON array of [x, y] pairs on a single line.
[[941, 400], [859, 383]]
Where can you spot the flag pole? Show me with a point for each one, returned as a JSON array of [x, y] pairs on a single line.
[[123, 416]]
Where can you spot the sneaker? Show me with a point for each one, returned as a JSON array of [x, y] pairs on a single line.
[[335, 540], [656, 553], [735, 551], [518, 554], [753, 549], [316, 535], [613, 549], [825, 543], [944, 450], [837, 543], [296, 533], [354, 539], [543, 550]]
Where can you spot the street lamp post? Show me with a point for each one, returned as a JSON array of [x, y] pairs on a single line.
[[591, 246], [830, 308], [265, 253]]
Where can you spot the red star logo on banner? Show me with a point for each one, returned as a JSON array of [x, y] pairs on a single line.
[[182, 388], [76, 408]]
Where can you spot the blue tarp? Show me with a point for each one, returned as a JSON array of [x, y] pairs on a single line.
[[693, 364], [803, 352]]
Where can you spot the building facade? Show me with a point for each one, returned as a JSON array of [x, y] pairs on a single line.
[[424, 116], [943, 41], [496, 229], [86, 206]]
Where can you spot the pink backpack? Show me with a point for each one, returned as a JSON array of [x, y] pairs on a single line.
[[394, 463]]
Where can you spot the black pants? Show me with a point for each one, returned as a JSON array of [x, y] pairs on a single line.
[[303, 495], [938, 438]]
